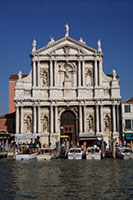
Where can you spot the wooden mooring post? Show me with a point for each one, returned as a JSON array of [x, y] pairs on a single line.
[[113, 149]]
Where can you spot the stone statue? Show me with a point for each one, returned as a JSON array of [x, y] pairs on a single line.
[[114, 75], [34, 45], [51, 40], [90, 122], [45, 123], [99, 45], [67, 74], [28, 123], [88, 77], [67, 30], [19, 75], [81, 40], [107, 122], [44, 77]]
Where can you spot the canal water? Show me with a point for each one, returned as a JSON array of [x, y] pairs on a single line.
[[107, 179]]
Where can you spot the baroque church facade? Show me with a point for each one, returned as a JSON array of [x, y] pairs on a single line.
[[67, 93]]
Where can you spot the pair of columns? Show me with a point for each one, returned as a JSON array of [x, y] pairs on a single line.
[[53, 119], [82, 119], [53, 73], [115, 115], [20, 119], [81, 73], [98, 70], [36, 73]]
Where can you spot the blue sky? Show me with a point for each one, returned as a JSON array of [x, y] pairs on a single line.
[[23, 20]]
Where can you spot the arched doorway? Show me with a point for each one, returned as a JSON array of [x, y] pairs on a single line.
[[68, 125]]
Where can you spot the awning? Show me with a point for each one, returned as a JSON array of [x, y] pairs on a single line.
[[25, 137], [129, 136], [64, 136], [5, 134], [87, 138]]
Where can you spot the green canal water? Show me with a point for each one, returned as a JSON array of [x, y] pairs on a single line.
[[107, 179]]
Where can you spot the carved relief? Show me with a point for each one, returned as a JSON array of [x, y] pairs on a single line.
[[44, 77], [106, 92], [27, 93], [107, 122], [44, 122], [28, 123], [66, 49]]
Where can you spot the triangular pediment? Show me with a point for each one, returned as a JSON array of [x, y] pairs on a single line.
[[65, 45]]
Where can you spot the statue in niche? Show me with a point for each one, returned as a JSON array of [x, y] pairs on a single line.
[[28, 122], [45, 123], [44, 77], [107, 121], [66, 74], [88, 75], [91, 122]]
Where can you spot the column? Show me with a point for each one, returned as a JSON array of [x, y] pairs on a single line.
[[34, 116], [118, 119], [38, 67], [51, 119], [80, 120], [22, 120], [51, 74], [100, 71], [17, 119], [39, 120], [97, 119], [95, 73], [85, 119], [79, 73], [55, 73], [114, 119], [101, 118], [83, 72], [34, 73], [56, 119]]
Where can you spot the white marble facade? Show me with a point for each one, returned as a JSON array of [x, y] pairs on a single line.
[[67, 75]]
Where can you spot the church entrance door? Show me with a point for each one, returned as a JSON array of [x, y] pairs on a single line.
[[68, 124]]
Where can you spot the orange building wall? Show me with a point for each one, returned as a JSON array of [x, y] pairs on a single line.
[[12, 84]]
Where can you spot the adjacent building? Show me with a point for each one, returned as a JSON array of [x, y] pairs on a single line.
[[67, 92], [127, 119]]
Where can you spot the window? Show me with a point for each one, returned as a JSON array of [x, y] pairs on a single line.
[[127, 108], [128, 124]]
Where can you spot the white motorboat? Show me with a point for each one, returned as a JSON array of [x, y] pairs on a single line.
[[25, 156], [125, 153], [93, 153], [75, 153], [47, 154]]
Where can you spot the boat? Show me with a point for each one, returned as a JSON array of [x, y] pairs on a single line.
[[26, 152], [125, 153], [26, 156], [93, 153], [48, 153], [75, 153]]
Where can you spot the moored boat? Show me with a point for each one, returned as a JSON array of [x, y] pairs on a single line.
[[26, 156], [47, 154], [125, 153], [93, 153], [75, 153]]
